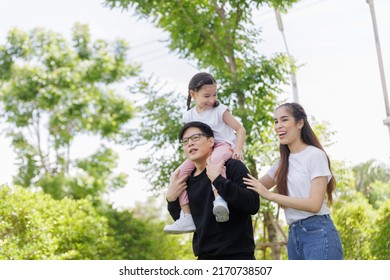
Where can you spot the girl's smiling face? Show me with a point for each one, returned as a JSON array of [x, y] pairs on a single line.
[[205, 97]]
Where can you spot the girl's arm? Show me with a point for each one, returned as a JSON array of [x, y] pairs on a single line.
[[231, 121], [312, 203]]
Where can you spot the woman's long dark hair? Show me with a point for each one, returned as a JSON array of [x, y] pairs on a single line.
[[308, 136], [197, 82]]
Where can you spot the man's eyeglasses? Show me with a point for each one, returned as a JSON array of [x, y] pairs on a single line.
[[194, 138]]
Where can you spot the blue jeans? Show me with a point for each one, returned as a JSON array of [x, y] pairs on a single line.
[[314, 238]]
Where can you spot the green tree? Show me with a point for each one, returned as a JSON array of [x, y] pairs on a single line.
[[51, 92], [361, 219], [139, 235], [367, 173], [36, 227], [379, 193], [355, 219], [372, 178], [381, 241], [221, 37]]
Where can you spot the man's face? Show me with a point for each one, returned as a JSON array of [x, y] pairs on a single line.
[[198, 147]]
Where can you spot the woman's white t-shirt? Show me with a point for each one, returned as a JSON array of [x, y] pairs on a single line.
[[214, 118], [303, 168]]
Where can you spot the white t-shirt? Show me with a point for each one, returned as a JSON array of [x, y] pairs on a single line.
[[303, 168], [214, 118]]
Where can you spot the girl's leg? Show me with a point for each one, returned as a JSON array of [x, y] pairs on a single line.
[[185, 223], [222, 151], [185, 170]]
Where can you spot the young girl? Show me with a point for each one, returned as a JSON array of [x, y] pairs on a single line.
[[303, 179], [203, 90]]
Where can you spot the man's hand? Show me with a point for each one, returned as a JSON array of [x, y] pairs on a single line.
[[176, 186], [214, 170]]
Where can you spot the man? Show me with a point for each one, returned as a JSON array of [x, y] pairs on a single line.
[[231, 240]]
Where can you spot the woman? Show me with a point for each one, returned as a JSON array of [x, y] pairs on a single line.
[[303, 180]]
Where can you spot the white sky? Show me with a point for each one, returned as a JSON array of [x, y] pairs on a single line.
[[333, 40]]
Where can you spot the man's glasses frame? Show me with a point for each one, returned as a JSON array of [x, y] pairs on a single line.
[[194, 138]]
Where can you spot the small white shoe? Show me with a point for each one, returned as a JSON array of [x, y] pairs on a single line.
[[221, 210], [184, 224]]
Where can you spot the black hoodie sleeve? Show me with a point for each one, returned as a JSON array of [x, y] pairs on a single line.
[[233, 189], [174, 209]]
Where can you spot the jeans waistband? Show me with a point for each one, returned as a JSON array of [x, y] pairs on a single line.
[[326, 216]]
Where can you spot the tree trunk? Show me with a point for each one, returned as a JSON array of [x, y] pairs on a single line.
[[272, 236]]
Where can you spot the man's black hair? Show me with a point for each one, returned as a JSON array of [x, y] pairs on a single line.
[[206, 129]]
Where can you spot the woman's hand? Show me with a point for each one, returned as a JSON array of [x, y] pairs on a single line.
[[254, 184], [176, 186], [214, 170]]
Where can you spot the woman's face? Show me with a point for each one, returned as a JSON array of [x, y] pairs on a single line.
[[287, 129]]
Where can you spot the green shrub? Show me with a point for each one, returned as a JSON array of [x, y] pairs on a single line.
[[35, 226]]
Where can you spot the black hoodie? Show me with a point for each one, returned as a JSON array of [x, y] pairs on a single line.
[[228, 240]]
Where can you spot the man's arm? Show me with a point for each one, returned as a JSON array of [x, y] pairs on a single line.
[[233, 189], [174, 209]]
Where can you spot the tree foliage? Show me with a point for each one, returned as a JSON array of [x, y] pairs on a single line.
[[140, 236], [369, 178], [381, 242], [361, 217], [51, 92], [35, 226], [355, 223]]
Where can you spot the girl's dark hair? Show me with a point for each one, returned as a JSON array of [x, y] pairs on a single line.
[[197, 82], [308, 137]]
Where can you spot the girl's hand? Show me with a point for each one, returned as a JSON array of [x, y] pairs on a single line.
[[214, 170], [237, 154], [254, 184]]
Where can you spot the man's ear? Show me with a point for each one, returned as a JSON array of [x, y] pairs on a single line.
[[211, 141]]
